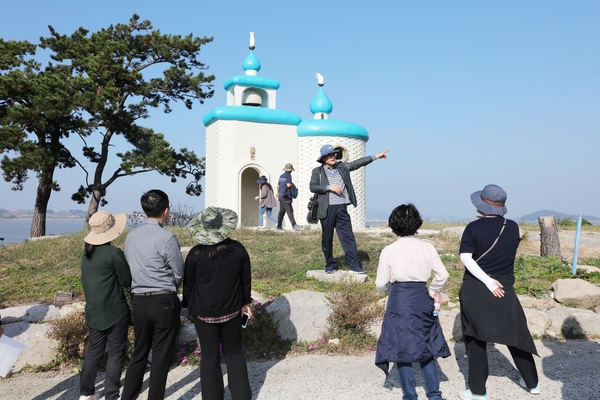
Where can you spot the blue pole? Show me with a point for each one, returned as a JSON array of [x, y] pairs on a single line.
[[576, 247]]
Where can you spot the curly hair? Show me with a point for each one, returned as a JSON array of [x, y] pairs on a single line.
[[405, 220]]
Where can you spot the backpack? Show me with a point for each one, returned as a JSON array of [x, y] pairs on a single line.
[[294, 191]]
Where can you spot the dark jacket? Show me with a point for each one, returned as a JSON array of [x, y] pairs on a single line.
[[218, 287], [102, 279], [319, 185]]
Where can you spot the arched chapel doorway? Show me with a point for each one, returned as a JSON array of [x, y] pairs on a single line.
[[248, 191]]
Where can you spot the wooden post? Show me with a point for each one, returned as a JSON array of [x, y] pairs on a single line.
[[549, 243]]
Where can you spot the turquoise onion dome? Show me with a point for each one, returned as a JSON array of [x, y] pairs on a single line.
[[251, 63], [321, 103]]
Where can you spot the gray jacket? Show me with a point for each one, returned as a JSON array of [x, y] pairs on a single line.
[[318, 184]]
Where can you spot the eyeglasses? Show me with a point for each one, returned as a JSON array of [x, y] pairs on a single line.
[[170, 205]]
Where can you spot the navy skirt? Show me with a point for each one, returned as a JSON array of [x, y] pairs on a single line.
[[409, 333]]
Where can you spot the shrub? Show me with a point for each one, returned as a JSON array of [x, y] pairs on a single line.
[[353, 310], [180, 215], [135, 219], [70, 332]]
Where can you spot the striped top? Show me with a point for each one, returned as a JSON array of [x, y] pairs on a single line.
[[335, 178]]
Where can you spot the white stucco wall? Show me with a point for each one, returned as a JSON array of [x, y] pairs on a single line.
[[228, 154]]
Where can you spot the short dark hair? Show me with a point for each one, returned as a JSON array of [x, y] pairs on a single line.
[[154, 202], [405, 220]]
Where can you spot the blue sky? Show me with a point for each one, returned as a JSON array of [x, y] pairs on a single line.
[[462, 93]]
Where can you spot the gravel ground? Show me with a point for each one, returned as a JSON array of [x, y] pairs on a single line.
[[568, 370]]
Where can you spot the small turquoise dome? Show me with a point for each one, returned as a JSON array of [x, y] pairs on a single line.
[[321, 103], [251, 62]]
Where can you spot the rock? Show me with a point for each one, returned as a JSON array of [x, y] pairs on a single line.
[[257, 297], [32, 313], [39, 349], [538, 304], [300, 315], [537, 321], [72, 308], [187, 332], [452, 304], [577, 293], [573, 322], [338, 276], [588, 268]]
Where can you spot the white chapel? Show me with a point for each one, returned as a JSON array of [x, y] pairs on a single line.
[[250, 137]]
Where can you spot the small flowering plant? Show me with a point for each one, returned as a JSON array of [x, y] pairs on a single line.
[[188, 353]]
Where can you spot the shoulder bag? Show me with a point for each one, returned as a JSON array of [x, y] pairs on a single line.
[[313, 206]]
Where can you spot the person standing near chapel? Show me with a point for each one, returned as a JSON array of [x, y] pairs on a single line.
[[157, 268], [285, 198], [332, 184]]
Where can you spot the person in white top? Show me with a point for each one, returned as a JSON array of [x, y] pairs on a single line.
[[410, 331]]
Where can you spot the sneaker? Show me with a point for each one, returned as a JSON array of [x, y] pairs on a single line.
[[357, 271], [329, 270], [467, 395], [279, 229], [261, 227], [91, 397], [535, 390], [297, 227]]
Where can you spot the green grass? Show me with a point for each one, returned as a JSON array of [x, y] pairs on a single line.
[[34, 271]]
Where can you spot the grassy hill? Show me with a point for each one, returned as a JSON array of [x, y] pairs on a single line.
[[32, 272]]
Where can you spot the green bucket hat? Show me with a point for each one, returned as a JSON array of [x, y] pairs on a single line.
[[213, 225]]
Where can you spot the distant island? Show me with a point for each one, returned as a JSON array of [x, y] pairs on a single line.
[[50, 214], [533, 217]]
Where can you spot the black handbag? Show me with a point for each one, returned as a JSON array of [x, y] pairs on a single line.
[[313, 207]]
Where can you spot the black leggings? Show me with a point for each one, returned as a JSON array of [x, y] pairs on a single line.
[[479, 370]]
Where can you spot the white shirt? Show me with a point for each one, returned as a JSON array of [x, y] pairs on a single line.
[[409, 259]]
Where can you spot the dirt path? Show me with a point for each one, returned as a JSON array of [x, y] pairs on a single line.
[[568, 370]]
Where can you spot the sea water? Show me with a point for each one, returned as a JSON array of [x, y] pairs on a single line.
[[17, 231]]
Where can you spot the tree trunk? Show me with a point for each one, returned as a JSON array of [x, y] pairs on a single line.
[[549, 243], [44, 190], [92, 208]]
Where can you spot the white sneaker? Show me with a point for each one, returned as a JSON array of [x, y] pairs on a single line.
[[535, 390], [91, 397], [467, 395]]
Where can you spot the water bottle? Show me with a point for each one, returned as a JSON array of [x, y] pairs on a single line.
[[436, 304]]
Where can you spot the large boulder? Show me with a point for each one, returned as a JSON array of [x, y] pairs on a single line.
[[39, 349], [537, 321], [300, 315], [577, 293], [32, 313], [573, 322], [338, 276]]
